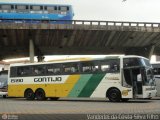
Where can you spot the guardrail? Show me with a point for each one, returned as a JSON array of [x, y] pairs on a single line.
[[83, 22], [117, 23]]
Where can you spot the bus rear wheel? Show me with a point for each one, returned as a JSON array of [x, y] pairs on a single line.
[[4, 96], [114, 95], [40, 94], [29, 94]]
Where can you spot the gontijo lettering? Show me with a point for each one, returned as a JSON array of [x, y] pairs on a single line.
[[48, 79]]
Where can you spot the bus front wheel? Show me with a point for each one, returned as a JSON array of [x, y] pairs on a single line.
[[29, 94], [40, 94], [114, 95]]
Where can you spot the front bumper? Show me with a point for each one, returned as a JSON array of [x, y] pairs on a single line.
[[3, 93], [150, 94]]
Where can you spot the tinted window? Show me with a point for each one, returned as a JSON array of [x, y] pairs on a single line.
[[70, 68], [89, 67], [130, 62], [38, 70], [53, 69], [112, 65], [13, 71], [23, 71], [147, 63]]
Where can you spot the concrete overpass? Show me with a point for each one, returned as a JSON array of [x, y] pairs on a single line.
[[80, 37]]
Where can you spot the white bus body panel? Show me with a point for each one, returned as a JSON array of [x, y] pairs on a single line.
[[107, 83]]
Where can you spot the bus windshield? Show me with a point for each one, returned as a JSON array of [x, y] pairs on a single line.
[[132, 62], [150, 77], [146, 62]]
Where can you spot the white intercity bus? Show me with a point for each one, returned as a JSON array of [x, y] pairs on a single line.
[[118, 78], [156, 69]]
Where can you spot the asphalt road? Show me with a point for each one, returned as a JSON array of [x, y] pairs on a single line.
[[68, 109]]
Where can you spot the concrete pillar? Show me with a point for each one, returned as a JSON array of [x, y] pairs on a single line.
[[31, 50], [151, 51], [40, 58]]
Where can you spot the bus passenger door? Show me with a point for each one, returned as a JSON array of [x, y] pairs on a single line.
[[133, 78], [137, 83]]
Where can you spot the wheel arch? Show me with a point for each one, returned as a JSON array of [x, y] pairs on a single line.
[[40, 89], [107, 92], [31, 96], [27, 89]]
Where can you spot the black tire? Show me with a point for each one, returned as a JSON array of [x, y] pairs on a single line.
[[40, 94], [4, 96], [124, 99], [54, 98], [29, 94], [114, 95]]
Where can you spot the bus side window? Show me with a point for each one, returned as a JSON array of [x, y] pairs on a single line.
[[70, 68], [23, 71], [13, 71], [49, 69], [56, 70], [53, 69], [38, 70], [89, 67], [105, 67], [112, 65]]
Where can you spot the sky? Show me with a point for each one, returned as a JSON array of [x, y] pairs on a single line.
[[109, 10]]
